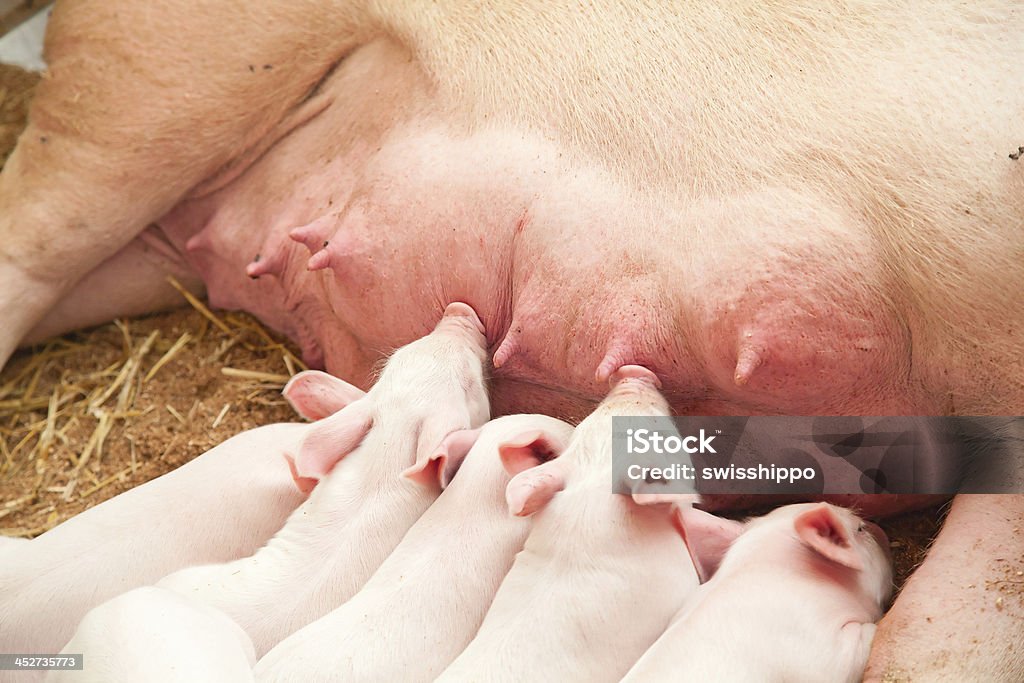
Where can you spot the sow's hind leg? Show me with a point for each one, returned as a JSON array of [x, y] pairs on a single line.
[[960, 617], [141, 103], [132, 282]]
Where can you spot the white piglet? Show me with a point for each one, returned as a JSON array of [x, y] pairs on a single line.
[[11, 544], [158, 636], [795, 599], [599, 577], [427, 600], [222, 505], [361, 507]]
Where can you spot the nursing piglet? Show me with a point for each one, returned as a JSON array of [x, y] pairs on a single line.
[[599, 577], [11, 544], [795, 599], [158, 636], [427, 600], [361, 508], [220, 506]]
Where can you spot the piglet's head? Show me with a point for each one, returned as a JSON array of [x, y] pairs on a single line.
[[437, 385], [429, 389], [823, 541], [843, 539]]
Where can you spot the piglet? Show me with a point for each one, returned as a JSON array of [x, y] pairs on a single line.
[[361, 508], [158, 636], [10, 544], [795, 599], [427, 600], [599, 576], [220, 506]]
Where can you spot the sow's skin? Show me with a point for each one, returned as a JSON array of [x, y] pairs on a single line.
[[158, 636], [223, 505], [361, 507], [788, 208], [795, 600], [599, 577], [426, 602]]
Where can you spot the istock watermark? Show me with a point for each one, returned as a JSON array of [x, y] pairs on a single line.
[[818, 455], [641, 441]]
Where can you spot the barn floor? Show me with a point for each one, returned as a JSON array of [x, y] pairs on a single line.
[[89, 415]]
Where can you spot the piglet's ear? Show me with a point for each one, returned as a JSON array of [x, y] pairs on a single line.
[[442, 464], [315, 395], [707, 538], [303, 484], [821, 529], [327, 442], [529, 449], [532, 489]]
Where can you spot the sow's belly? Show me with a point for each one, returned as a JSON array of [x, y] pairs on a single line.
[[798, 277]]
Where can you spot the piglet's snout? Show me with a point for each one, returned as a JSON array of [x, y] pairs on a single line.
[[460, 318], [634, 379], [880, 538]]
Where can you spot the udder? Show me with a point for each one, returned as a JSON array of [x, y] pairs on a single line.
[[352, 233]]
